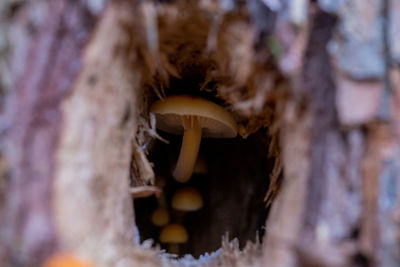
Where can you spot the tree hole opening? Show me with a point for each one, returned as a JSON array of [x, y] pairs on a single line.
[[215, 58], [231, 176]]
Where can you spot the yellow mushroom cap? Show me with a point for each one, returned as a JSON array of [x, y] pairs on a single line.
[[173, 233], [160, 217], [187, 199], [214, 120]]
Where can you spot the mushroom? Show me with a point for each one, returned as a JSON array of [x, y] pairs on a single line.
[[173, 234], [187, 199], [195, 118], [160, 217]]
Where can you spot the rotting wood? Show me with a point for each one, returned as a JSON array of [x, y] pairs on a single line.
[[338, 204], [100, 118]]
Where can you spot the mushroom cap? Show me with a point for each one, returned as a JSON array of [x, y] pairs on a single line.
[[187, 199], [173, 233], [160, 217], [215, 121]]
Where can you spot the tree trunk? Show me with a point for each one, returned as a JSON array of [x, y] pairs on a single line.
[[321, 76]]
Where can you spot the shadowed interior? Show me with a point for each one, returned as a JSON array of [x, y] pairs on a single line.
[[233, 190]]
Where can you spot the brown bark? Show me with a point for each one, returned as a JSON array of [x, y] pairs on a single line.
[[344, 221], [77, 126], [54, 58]]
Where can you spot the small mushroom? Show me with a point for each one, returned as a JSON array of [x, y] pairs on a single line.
[[187, 199], [160, 217], [195, 118], [173, 235]]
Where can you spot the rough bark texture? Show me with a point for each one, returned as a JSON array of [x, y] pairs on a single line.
[[79, 76], [351, 100], [53, 60]]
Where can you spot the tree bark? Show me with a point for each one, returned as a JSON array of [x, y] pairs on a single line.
[[52, 63], [75, 118]]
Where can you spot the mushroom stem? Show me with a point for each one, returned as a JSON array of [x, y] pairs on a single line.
[[189, 149]]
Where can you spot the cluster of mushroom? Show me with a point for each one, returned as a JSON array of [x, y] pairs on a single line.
[[185, 199], [194, 118]]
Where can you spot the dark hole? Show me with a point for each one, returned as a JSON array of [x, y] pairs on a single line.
[[233, 190], [234, 186]]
